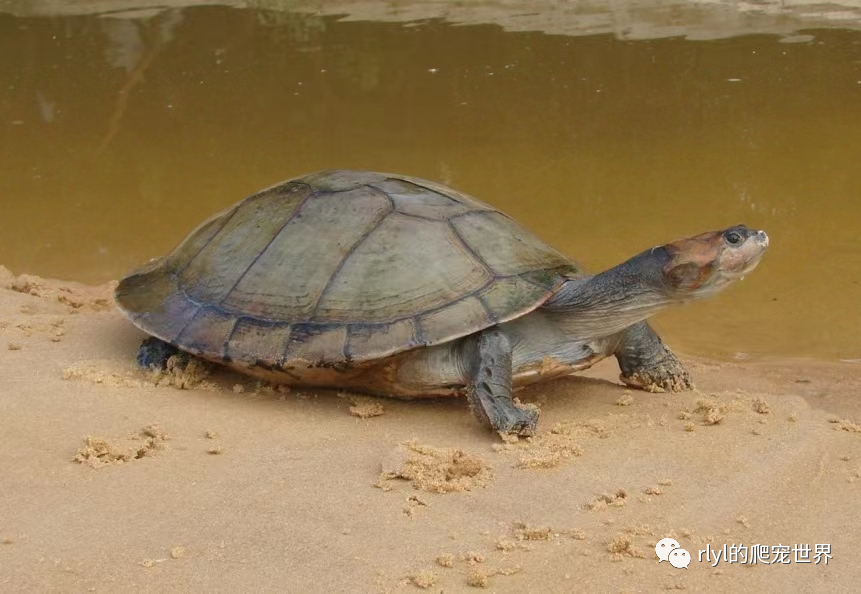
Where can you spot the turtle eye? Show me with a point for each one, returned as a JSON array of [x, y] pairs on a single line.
[[733, 237]]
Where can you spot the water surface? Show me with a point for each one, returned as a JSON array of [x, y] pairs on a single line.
[[117, 136]]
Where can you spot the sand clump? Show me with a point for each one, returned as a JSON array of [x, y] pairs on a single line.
[[178, 374], [52, 327], [522, 535], [622, 546], [438, 470], [368, 410], [423, 579], [625, 399], [214, 450], [477, 575], [480, 578], [363, 407], [605, 500], [75, 296], [184, 373], [98, 452], [550, 449], [845, 425], [712, 412], [714, 409], [506, 545], [761, 406], [523, 531]]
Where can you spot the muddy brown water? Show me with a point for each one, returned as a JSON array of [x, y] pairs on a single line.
[[117, 136]]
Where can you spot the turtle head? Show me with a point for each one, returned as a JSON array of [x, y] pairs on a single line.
[[702, 265], [680, 271]]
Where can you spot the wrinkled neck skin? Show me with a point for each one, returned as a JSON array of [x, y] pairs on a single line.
[[595, 307]]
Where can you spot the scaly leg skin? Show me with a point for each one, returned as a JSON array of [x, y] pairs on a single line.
[[647, 363], [154, 353], [489, 389]]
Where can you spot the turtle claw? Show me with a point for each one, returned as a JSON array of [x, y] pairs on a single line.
[[647, 364], [506, 416], [662, 381], [521, 420], [668, 375]]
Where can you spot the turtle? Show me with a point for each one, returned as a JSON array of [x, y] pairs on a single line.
[[399, 286]]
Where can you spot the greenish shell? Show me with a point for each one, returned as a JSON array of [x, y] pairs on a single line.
[[342, 267]]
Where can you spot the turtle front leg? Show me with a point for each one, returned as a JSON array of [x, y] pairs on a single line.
[[487, 359], [647, 363]]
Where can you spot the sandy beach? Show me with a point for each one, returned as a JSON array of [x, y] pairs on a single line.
[[115, 479]]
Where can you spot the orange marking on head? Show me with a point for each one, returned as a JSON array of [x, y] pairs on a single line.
[[693, 260]]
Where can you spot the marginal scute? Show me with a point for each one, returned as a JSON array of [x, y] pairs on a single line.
[[380, 339], [458, 319], [150, 297], [145, 289], [316, 345], [207, 332], [253, 342], [173, 314]]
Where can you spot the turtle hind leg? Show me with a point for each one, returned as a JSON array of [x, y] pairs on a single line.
[[488, 359], [154, 354], [648, 364]]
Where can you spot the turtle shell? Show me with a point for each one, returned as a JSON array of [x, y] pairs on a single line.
[[342, 267]]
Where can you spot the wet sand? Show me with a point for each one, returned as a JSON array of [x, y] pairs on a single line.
[[118, 480]]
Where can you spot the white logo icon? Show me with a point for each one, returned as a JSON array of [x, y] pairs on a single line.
[[680, 558], [664, 547]]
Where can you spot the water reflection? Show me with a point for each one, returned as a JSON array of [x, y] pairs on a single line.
[[126, 49], [119, 135]]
